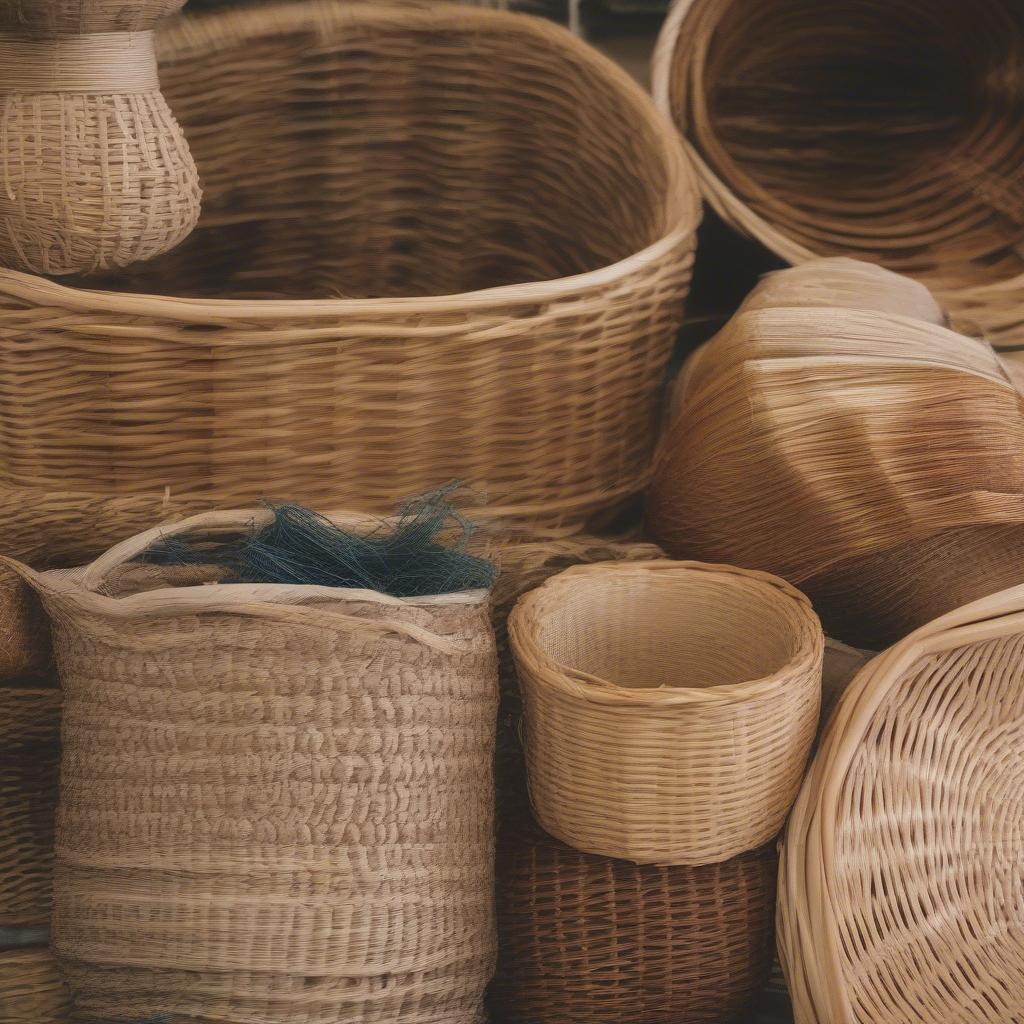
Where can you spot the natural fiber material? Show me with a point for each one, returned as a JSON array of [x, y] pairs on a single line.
[[871, 459], [29, 761], [95, 171], [497, 228], [277, 802], [591, 940], [901, 878], [31, 989], [885, 131], [24, 629], [670, 707]]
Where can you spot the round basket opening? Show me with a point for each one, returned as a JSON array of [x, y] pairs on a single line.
[[639, 633], [891, 130], [354, 152]]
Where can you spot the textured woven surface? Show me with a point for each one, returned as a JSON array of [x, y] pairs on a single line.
[[871, 459], [591, 940], [277, 801], [352, 151], [885, 131], [902, 888], [670, 707], [29, 766], [31, 990], [24, 629], [96, 172]]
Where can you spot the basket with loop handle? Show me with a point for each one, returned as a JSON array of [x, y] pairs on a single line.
[[277, 801], [670, 707]]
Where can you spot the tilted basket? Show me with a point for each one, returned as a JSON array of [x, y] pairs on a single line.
[[670, 707], [886, 131], [437, 243], [277, 801], [31, 988], [592, 940], [901, 887]]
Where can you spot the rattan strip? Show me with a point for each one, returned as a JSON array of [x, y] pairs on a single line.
[[31, 989], [670, 707], [901, 870], [884, 131], [592, 940]]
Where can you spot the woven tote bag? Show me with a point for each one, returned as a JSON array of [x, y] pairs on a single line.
[[29, 767], [901, 885], [277, 802], [871, 459], [31, 989], [670, 707], [437, 243], [593, 940], [889, 132]]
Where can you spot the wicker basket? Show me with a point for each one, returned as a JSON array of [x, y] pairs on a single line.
[[31, 989], [670, 707], [443, 243], [276, 802], [886, 131], [591, 940], [29, 768], [901, 898], [894, 495]]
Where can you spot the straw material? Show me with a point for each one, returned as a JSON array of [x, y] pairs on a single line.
[[871, 459], [24, 629], [29, 762], [396, 165], [31, 990], [900, 896], [884, 131], [277, 801], [95, 171], [670, 707], [590, 940]]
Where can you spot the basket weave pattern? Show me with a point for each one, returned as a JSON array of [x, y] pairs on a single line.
[[653, 732]]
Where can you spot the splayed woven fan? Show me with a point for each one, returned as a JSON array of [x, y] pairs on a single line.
[[887, 131], [901, 895], [875, 461]]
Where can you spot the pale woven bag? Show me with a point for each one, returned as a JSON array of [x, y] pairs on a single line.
[[276, 802], [670, 707]]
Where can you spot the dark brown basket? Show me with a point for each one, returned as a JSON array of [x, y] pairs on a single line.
[[588, 940]]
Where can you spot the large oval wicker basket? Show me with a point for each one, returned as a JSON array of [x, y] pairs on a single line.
[[669, 707], [887, 131], [902, 894], [436, 243], [592, 940]]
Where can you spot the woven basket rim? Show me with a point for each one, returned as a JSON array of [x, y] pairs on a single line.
[[682, 193], [579, 686]]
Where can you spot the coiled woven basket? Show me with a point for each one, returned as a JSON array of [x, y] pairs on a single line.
[[31, 989], [592, 940], [277, 802], [885, 131], [901, 885], [670, 707], [437, 243], [29, 767]]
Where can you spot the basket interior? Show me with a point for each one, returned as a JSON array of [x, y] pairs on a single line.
[[890, 129], [696, 632], [357, 152]]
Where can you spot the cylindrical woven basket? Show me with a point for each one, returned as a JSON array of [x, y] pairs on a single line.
[[31, 989], [670, 707], [901, 885], [593, 940], [277, 802], [884, 131], [30, 719], [438, 243]]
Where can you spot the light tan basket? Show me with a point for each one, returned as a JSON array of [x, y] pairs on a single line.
[[444, 243], [277, 802], [31, 989], [885, 131], [900, 888], [670, 707]]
